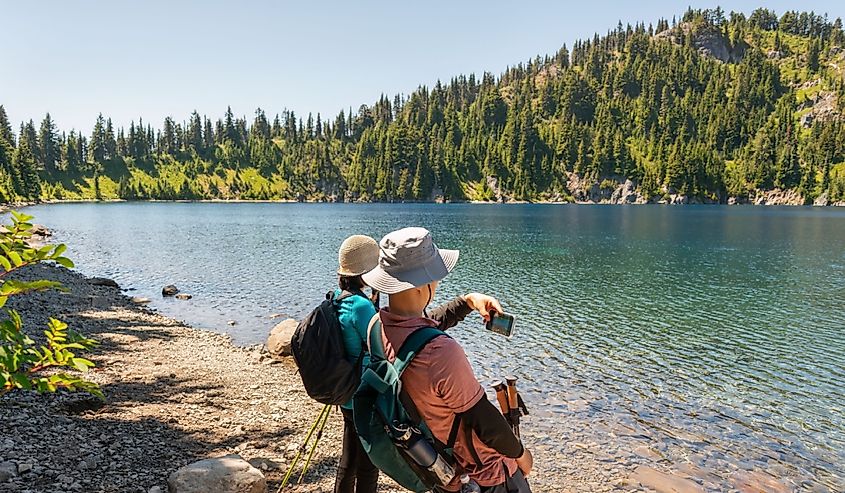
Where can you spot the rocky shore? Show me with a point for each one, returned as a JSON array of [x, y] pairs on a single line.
[[176, 395]]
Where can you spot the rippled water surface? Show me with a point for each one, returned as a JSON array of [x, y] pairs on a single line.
[[711, 336]]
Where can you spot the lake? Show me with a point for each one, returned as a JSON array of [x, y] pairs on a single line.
[[713, 336]]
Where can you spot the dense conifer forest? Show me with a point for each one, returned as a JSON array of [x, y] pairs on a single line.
[[706, 106]]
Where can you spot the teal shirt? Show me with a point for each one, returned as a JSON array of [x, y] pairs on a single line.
[[355, 313]]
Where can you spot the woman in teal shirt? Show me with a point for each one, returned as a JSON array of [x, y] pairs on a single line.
[[358, 254]]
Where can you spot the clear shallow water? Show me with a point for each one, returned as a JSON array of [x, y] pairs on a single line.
[[715, 336]]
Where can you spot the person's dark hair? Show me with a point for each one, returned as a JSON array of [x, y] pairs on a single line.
[[351, 283]]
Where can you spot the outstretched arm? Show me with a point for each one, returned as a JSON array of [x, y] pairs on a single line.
[[450, 314]]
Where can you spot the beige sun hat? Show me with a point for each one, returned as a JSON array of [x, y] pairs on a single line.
[[358, 255]]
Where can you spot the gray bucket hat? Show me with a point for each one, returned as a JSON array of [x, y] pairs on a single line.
[[409, 259]]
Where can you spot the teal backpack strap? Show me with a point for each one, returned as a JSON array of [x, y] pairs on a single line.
[[412, 345], [376, 344]]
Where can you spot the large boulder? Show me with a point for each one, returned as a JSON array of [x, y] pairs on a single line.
[[228, 474], [278, 344]]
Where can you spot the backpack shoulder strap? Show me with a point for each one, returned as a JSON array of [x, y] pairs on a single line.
[[342, 296], [375, 344], [413, 345]]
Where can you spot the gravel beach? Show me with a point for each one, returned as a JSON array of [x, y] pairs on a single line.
[[176, 395]]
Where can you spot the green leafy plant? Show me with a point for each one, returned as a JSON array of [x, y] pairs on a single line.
[[23, 363]]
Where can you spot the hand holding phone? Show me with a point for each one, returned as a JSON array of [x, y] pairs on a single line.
[[501, 323]]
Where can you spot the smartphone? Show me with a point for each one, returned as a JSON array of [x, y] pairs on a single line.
[[501, 323]]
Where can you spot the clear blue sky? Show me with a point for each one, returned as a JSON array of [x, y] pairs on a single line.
[[156, 58]]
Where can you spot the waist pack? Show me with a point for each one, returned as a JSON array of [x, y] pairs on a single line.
[[318, 349], [392, 434]]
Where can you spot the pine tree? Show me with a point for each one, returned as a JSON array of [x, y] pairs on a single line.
[[8, 172], [29, 185], [48, 141], [29, 137], [6, 128], [625, 105], [813, 56], [70, 155], [97, 148], [109, 141]]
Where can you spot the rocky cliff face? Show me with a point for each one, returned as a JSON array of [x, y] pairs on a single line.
[[606, 192], [823, 106], [777, 197], [708, 40]]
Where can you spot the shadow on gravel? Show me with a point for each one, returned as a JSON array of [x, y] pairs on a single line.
[[92, 452], [141, 331], [158, 417], [164, 388]]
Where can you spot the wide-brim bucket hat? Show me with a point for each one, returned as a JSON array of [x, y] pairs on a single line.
[[358, 254], [408, 258]]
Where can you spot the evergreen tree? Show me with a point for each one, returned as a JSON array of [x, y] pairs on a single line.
[[48, 141], [28, 185], [97, 148], [6, 128], [624, 105]]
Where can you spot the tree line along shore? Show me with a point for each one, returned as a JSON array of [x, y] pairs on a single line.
[[707, 107]]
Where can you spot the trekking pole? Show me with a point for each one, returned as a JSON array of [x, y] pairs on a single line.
[[314, 446], [502, 397], [302, 448], [513, 404]]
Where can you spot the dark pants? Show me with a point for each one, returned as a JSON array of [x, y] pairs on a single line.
[[514, 484], [354, 463]]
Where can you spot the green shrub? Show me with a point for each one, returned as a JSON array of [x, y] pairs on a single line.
[[23, 363]]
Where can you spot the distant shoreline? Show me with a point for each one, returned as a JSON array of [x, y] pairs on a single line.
[[20, 205]]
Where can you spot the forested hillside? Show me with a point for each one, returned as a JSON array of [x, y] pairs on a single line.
[[705, 107]]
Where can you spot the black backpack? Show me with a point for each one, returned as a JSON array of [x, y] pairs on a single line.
[[318, 349]]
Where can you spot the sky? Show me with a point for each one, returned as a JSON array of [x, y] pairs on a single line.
[[157, 58]]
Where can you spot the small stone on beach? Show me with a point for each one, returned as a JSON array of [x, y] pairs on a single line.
[[103, 281]]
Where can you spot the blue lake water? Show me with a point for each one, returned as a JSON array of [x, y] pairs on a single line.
[[715, 335]]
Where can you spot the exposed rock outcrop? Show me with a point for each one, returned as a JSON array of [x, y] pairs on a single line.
[[493, 183], [707, 39], [627, 193], [823, 108], [609, 191], [777, 197]]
